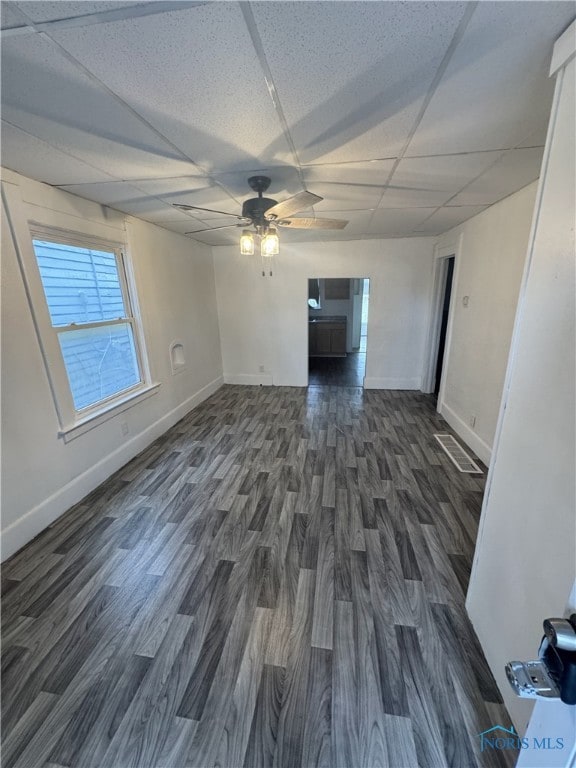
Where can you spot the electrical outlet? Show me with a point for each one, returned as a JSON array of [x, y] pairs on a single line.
[[472, 421], [124, 428]]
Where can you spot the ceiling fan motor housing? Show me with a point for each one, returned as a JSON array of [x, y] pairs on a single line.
[[255, 208]]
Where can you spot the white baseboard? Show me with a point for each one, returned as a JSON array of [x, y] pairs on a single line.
[[33, 522], [480, 448], [390, 383], [253, 379]]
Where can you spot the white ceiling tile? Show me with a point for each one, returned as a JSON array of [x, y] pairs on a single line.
[[348, 186], [43, 93], [351, 76], [397, 222], [28, 155], [220, 237], [431, 181], [107, 193], [510, 173], [496, 89], [42, 10], [445, 218], [199, 82]]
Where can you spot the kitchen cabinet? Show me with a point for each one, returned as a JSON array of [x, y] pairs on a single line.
[[327, 338]]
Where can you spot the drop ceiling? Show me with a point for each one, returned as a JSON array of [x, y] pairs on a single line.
[[406, 117]]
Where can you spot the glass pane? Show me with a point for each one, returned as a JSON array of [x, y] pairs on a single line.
[[100, 362], [81, 284]]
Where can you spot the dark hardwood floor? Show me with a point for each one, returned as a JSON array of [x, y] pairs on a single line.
[[278, 580], [346, 371]]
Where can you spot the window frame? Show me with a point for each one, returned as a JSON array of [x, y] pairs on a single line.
[[72, 421]]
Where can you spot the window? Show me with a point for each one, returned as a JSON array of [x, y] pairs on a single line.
[[89, 333]]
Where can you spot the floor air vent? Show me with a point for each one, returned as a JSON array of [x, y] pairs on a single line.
[[458, 455]]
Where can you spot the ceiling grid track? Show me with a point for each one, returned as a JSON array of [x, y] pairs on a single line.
[[272, 90]]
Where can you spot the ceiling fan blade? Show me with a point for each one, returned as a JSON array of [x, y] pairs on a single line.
[[212, 229], [210, 210], [303, 223], [294, 204]]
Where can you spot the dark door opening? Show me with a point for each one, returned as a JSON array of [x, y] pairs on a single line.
[[444, 323], [337, 328]]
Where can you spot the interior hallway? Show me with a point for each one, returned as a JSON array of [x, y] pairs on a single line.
[[278, 580]]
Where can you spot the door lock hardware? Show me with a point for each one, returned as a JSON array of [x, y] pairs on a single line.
[[553, 674]]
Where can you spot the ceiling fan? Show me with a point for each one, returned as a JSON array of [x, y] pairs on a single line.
[[264, 214]]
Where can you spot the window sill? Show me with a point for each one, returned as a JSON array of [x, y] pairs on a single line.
[[86, 423]]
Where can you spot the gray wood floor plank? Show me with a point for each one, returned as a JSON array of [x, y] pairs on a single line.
[[371, 737], [236, 732], [290, 737], [317, 739], [345, 743], [323, 620], [264, 726]]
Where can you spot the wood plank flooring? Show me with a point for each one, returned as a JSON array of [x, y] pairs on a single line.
[[278, 581]]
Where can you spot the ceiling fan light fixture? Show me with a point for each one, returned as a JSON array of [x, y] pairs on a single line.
[[247, 243], [270, 245]]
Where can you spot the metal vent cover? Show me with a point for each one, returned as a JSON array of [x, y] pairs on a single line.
[[458, 455]]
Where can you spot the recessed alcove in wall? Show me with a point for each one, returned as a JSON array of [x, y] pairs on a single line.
[[177, 357]]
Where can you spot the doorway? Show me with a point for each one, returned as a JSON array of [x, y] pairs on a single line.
[[337, 331], [444, 323]]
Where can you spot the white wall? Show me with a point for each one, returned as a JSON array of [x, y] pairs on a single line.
[[525, 564], [264, 320], [488, 270], [41, 475]]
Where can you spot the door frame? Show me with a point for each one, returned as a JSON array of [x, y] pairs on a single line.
[[439, 269], [328, 277]]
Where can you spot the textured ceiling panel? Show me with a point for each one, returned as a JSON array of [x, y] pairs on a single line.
[[352, 76], [348, 186], [445, 218], [398, 222], [32, 157], [195, 76], [42, 10], [496, 90], [109, 193], [48, 96], [431, 181], [513, 171]]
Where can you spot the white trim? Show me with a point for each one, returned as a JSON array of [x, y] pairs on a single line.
[[564, 49], [252, 379], [472, 440], [391, 383], [95, 418], [33, 522]]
